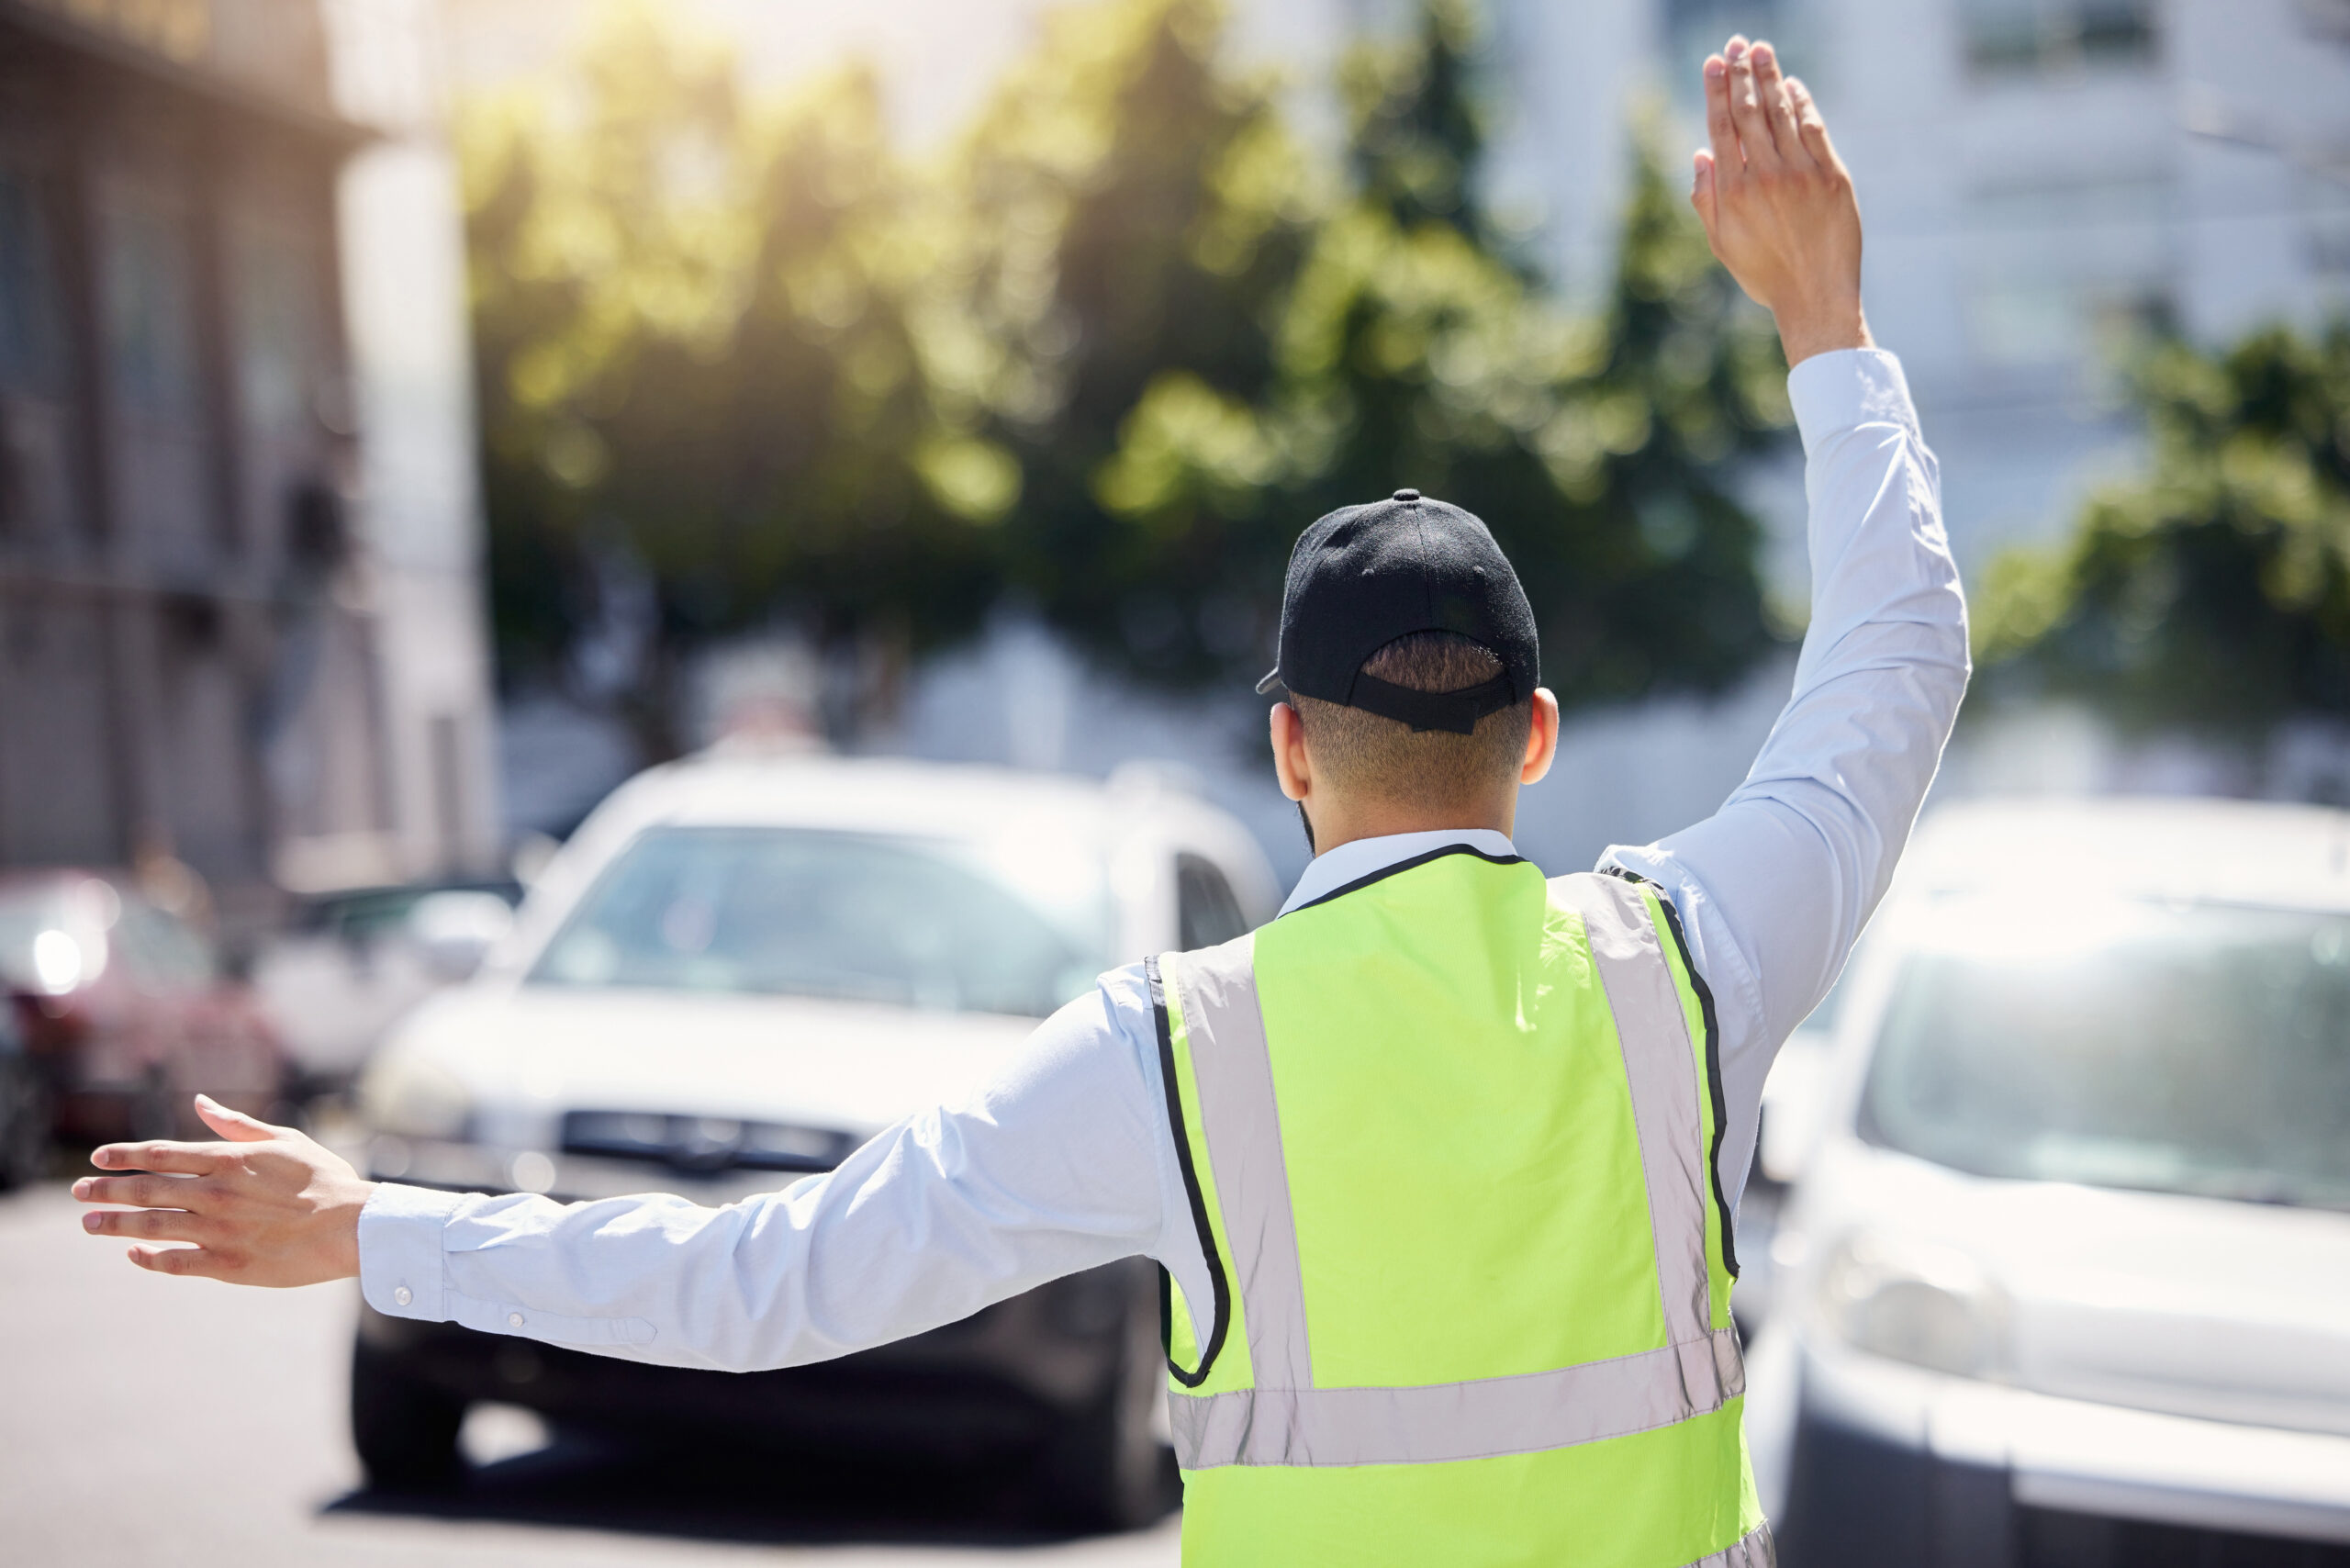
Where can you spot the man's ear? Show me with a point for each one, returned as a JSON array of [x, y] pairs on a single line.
[[1291, 765], [1541, 737]]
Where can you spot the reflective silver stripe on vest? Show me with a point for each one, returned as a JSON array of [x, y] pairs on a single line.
[[1284, 1419], [1754, 1549], [1432, 1423], [1217, 992], [1660, 1063]]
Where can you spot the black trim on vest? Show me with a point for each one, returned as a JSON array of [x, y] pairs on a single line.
[[1386, 871], [1713, 1060], [1217, 1284]]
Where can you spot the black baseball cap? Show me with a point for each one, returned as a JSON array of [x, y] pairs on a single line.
[[1362, 576]]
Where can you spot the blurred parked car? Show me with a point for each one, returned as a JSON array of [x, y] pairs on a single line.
[[128, 1010], [737, 971], [2065, 1279], [349, 963], [24, 1106]]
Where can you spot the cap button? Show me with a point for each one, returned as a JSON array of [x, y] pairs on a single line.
[[1407, 495]]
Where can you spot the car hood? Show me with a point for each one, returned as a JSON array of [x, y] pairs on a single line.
[[527, 1054], [2226, 1311]]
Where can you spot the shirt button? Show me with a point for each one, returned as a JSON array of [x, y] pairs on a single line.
[[403, 1295], [513, 1320]]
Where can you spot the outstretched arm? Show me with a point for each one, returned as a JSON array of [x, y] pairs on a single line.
[[1060, 1163], [1775, 887]]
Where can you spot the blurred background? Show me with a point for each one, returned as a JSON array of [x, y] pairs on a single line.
[[419, 419]]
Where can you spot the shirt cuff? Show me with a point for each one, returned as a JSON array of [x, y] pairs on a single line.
[[1845, 388], [400, 1271]]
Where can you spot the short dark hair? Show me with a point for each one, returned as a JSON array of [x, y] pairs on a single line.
[[1430, 769]]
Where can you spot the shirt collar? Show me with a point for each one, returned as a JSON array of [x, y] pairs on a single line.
[[1358, 858]]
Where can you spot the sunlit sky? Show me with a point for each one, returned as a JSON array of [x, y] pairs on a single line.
[[937, 56]]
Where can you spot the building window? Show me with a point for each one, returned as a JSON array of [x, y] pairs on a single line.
[[2325, 207], [2068, 273], [2037, 36], [149, 308], [278, 327], [32, 342]]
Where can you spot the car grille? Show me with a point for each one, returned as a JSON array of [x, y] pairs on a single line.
[[703, 1144], [2056, 1540]]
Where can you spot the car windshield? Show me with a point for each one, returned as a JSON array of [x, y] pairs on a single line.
[[2166, 1048], [1015, 928]]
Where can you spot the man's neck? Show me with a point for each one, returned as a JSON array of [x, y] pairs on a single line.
[[1335, 824]]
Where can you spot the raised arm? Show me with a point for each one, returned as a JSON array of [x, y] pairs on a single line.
[[1775, 887]]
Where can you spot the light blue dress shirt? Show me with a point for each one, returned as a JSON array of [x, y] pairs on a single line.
[[1066, 1160]]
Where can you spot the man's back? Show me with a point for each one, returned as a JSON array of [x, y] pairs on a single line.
[[1446, 1134]]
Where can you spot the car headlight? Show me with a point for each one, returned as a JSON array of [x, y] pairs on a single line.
[[1927, 1304], [410, 1097]]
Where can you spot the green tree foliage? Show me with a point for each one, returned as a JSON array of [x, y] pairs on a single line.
[[1139, 215], [717, 338], [1110, 357], [1417, 129], [2213, 594], [1406, 348]]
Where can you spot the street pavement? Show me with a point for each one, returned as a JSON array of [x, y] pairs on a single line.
[[152, 1420]]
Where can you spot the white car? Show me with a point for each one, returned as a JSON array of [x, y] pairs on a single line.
[[738, 970], [351, 962], [2065, 1278]]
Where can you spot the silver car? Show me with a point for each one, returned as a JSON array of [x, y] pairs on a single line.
[[737, 971], [2065, 1279]]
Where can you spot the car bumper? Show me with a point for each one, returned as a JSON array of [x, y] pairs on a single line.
[[1006, 1377], [465, 1166], [1895, 1465]]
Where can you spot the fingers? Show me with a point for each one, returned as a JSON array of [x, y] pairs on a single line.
[[183, 1158], [145, 1192], [1701, 190], [1728, 162], [1771, 90], [234, 1125], [1746, 108], [1809, 123], [150, 1225], [195, 1261]]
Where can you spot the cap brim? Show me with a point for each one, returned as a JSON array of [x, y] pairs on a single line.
[[1272, 679]]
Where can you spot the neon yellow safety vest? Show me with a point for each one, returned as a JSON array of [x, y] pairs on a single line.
[[1448, 1138]]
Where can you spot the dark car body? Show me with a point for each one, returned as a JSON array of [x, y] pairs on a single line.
[[1006, 1382], [128, 1010], [1062, 1381]]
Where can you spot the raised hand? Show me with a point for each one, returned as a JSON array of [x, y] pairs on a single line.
[[268, 1207], [1777, 201]]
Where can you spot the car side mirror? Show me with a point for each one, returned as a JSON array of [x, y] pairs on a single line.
[[455, 930], [531, 853]]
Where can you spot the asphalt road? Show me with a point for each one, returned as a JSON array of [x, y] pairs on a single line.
[[150, 1420]]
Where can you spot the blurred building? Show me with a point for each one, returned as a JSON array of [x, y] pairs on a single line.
[[241, 617], [2043, 179]]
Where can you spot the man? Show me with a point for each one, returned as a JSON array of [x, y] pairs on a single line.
[[1442, 1162]]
